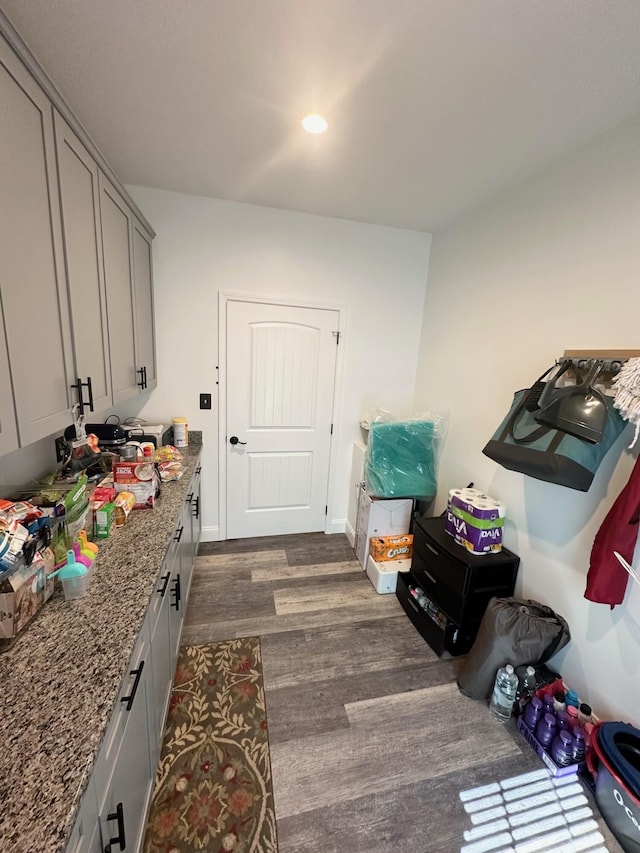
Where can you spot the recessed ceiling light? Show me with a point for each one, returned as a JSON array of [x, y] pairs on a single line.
[[314, 123]]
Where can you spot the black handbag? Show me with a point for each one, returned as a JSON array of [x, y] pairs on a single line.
[[523, 444]]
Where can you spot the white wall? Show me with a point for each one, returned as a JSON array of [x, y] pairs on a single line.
[[206, 245], [553, 265]]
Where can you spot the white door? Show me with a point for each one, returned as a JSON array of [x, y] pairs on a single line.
[[281, 364]]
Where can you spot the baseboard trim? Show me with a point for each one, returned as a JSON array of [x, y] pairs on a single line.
[[210, 534], [335, 526], [350, 534]]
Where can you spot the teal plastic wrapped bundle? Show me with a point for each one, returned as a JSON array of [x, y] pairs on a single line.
[[401, 459]]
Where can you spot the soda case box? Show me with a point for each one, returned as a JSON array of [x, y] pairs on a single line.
[[555, 769], [475, 520], [387, 548], [139, 478]]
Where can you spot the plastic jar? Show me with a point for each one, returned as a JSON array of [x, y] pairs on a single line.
[[559, 702], [584, 714], [180, 432]]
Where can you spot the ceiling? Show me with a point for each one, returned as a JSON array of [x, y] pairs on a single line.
[[434, 106]]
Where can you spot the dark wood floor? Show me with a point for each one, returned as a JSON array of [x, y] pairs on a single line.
[[371, 741]]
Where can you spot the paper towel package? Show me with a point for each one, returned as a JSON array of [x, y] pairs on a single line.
[[475, 520]]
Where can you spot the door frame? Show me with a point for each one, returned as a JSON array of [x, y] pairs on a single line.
[[331, 524]]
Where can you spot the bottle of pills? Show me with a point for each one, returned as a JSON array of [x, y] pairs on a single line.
[[180, 432], [559, 701], [584, 714]]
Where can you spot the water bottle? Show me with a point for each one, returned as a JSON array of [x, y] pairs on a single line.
[[504, 693], [526, 688]]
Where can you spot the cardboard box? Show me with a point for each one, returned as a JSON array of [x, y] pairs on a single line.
[[385, 548], [384, 576], [24, 589], [105, 516], [139, 478], [380, 517], [556, 770]]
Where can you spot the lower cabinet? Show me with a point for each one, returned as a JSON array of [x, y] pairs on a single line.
[[122, 804], [113, 811]]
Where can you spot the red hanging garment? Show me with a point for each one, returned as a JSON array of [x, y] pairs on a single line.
[[606, 579]]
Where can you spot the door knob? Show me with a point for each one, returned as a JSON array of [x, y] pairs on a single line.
[[235, 440]]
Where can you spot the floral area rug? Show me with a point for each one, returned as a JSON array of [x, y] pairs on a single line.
[[213, 788]]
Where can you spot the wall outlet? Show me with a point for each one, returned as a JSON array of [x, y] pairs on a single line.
[[61, 449], [205, 401]]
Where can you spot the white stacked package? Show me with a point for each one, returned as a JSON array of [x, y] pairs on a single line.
[[475, 520]]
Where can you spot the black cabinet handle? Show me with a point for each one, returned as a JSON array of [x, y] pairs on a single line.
[[189, 498], [176, 592], [144, 375], [178, 535], [138, 674], [198, 469], [165, 584], [140, 384], [195, 510], [79, 385], [90, 390], [119, 839]]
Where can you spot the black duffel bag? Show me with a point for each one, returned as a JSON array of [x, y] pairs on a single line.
[[514, 631]]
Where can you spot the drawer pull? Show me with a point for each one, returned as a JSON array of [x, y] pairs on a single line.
[[432, 549], [189, 498], [176, 591], [178, 535], [196, 507], [119, 839], [431, 577], [130, 698], [165, 584]]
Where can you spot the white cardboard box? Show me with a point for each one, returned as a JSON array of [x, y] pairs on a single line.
[[380, 517], [384, 576]]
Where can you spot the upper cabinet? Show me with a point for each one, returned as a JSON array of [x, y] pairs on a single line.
[[117, 252], [36, 314], [76, 291], [8, 426], [80, 206], [143, 294], [126, 249]]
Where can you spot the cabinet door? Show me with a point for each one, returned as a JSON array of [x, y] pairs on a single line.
[[8, 427], [117, 254], [161, 657], [143, 290], [176, 601], [196, 511], [79, 201], [33, 299], [123, 809], [85, 835]]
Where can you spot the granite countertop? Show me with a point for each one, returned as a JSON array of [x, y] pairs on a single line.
[[61, 679]]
